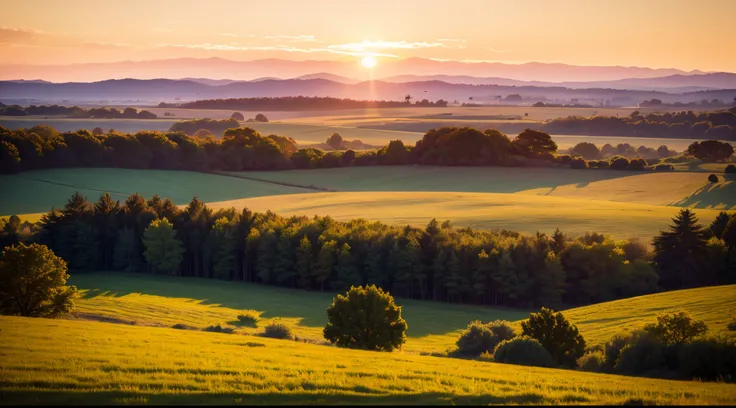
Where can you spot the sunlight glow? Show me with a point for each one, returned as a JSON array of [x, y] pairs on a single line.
[[368, 62]]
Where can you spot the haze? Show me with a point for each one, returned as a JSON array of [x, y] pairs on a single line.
[[680, 34]]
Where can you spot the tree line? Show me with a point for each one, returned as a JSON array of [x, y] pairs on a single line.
[[720, 125], [300, 103], [77, 112], [438, 262]]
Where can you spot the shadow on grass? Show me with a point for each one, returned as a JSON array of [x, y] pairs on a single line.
[[717, 195], [424, 317], [84, 397]]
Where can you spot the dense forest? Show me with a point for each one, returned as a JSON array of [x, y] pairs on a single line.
[[298, 103], [77, 112], [719, 125], [242, 148], [438, 262]]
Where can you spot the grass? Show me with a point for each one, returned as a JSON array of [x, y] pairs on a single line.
[[71, 361], [37, 191], [521, 212], [433, 327]]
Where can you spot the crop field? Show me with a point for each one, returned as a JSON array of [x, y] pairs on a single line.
[[99, 360]]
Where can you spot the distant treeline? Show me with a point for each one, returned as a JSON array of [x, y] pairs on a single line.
[[720, 125], [76, 112], [439, 262], [243, 148], [300, 103]]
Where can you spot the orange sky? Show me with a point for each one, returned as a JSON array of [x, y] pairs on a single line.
[[680, 34]]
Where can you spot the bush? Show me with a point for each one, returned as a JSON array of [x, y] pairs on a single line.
[[182, 326], [713, 178], [637, 164], [578, 163], [592, 361], [278, 330], [619, 163], [249, 317], [710, 359], [261, 118], [564, 159], [561, 339], [664, 167], [365, 318], [730, 169], [219, 329], [523, 350], [481, 338], [602, 164], [643, 354], [676, 328], [612, 350]]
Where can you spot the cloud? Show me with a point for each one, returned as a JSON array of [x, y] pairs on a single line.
[[292, 38], [495, 50], [104, 45], [19, 36], [232, 46], [368, 45]]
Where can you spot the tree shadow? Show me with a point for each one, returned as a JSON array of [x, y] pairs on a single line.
[[719, 196]]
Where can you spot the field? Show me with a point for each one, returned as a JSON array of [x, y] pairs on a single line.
[[74, 361], [623, 204]]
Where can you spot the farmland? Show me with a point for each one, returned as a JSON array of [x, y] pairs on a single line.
[[73, 361]]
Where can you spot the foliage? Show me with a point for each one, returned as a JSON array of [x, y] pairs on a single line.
[[711, 150], [277, 330], [365, 318], [676, 328], [163, 250], [592, 361], [523, 350], [219, 329], [712, 178], [680, 253], [558, 336], [249, 317], [33, 282], [481, 338]]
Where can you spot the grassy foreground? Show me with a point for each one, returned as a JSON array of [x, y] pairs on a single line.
[[68, 362], [433, 326]]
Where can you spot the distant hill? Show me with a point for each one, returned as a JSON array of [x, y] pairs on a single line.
[[330, 77], [218, 68]]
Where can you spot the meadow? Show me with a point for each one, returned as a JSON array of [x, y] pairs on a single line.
[[86, 361]]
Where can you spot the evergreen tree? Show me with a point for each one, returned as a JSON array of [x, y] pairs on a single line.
[[267, 257], [163, 250], [285, 268], [680, 252], [719, 224], [127, 253], [106, 212]]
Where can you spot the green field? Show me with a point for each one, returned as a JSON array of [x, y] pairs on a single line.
[[73, 361]]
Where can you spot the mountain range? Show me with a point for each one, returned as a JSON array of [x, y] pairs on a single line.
[[219, 68]]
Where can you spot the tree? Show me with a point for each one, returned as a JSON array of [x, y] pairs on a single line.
[[335, 141], [558, 336], [534, 143], [304, 262], [730, 169], [523, 350], [365, 318], [237, 116], [163, 250], [587, 150], [9, 158], [261, 118], [126, 255], [479, 338], [676, 328], [719, 224], [711, 150], [679, 253], [322, 269], [408, 99], [33, 282], [347, 273], [223, 240], [713, 178]]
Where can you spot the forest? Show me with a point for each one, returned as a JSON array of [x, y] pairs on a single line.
[[298, 103], [438, 262], [77, 112]]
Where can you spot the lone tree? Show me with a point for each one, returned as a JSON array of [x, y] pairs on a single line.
[[711, 150], [559, 337], [237, 116], [261, 118], [680, 253], [335, 141], [33, 282], [365, 318], [163, 250]]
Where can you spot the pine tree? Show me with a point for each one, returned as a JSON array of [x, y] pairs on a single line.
[[163, 250], [680, 252], [719, 224], [106, 212], [127, 253], [285, 268]]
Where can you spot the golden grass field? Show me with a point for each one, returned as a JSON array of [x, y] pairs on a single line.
[[73, 361]]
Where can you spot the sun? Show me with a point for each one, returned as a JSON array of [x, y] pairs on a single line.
[[368, 62]]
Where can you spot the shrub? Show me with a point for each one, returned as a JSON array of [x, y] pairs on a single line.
[[713, 178], [481, 338], [249, 317], [676, 328], [578, 163], [278, 330], [219, 329], [710, 359], [564, 159], [561, 339], [619, 163], [523, 350], [730, 169], [612, 350], [637, 164], [182, 326], [664, 167], [261, 118], [602, 164], [365, 318], [592, 361], [643, 354]]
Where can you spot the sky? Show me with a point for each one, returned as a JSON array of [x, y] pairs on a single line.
[[682, 34]]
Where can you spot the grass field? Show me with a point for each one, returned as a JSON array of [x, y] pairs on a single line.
[[74, 361], [68, 362]]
